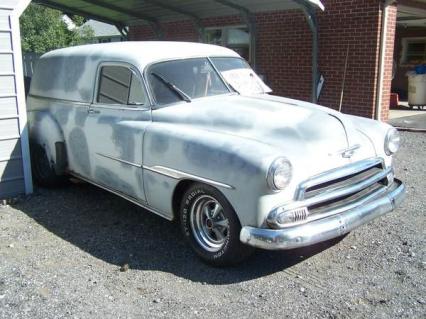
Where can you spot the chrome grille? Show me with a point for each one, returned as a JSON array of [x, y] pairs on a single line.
[[343, 186]]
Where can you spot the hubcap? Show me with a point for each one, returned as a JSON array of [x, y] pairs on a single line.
[[208, 223]]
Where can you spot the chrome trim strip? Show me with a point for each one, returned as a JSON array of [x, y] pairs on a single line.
[[175, 174], [54, 99], [346, 190], [336, 174], [325, 228], [127, 197], [327, 196], [120, 160]]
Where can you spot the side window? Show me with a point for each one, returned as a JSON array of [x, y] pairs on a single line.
[[119, 85]]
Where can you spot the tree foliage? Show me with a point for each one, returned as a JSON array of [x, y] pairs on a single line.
[[43, 29]]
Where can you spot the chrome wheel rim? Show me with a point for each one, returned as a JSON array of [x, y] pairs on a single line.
[[208, 224]]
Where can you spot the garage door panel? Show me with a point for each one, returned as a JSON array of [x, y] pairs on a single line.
[[10, 149]]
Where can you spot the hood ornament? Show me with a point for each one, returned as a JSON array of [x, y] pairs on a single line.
[[348, 152]]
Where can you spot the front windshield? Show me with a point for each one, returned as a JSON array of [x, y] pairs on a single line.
[[240, 76], [174, 81]]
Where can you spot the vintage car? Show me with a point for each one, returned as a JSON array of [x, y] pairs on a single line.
[[190, 132]]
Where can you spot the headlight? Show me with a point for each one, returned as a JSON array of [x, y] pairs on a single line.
[[279, 174], [392, 142]]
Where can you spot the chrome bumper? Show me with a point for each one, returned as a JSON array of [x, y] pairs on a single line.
[[323, 229]]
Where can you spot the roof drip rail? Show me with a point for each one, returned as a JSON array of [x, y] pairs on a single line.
[[250, 19], [195, 19]]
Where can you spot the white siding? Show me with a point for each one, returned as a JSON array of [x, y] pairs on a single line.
[[5, 41], [10, 149], [6, 63], [11, 170], [8, 106], [4, 21], [7, 84], [12, 136], [11, 188], [9, 4], [9, 128]]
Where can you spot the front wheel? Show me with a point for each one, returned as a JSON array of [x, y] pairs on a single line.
[[211, 226]]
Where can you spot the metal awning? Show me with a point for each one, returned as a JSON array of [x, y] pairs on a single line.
[[126, 13], [136, 12]]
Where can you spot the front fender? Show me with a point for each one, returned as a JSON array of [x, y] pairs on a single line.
[[238, 162], [376, 133]]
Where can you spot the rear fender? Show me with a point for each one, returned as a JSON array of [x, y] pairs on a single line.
[[45, 131]]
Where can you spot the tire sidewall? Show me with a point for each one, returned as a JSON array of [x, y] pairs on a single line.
[[43, 172], [225, 253]]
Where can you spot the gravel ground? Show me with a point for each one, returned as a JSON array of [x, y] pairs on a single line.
[[80, 252]]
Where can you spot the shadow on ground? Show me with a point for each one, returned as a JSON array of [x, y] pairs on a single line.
[[118, 232]]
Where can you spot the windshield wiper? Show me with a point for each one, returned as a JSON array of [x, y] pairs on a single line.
[[232, 87], [173, 88]]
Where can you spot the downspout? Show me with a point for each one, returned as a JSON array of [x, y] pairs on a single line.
[[313, 25], [310, 13], [382, 58]]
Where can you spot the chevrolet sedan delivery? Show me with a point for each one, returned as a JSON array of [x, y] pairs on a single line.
[[191, 133]]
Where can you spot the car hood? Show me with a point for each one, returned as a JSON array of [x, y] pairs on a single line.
[[299, 130]]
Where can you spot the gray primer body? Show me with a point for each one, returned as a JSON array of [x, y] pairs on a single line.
[[229, 139]]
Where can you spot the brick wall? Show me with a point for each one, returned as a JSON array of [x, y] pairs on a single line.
[[284, 48], [388, 68], [353, 25]]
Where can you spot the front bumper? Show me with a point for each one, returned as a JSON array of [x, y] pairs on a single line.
[[323, 229]]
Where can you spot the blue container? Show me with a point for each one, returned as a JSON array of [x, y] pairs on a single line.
[[421, 69]]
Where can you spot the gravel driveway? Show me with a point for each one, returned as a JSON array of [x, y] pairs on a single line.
[[80, 252]]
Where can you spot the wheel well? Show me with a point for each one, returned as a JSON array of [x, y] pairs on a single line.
[[180, 189]]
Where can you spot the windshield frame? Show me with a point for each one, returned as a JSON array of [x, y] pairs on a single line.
[[151, 94]]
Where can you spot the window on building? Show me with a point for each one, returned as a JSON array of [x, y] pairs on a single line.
[[236, 38], [120, 85], [413, 51]]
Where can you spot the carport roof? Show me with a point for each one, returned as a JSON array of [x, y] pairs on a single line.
[[134, 12]]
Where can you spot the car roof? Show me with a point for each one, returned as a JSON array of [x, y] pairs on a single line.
[[142, 53], [70, 73]]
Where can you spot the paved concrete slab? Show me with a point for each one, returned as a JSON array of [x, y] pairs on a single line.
[[415, 122]]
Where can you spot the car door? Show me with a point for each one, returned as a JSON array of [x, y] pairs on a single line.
[[115, 126]]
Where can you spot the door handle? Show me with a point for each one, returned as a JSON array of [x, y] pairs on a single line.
[[93, 111]]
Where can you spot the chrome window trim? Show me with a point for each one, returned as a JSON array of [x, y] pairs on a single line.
[[133, 69], [179, 175], [54, 99]]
